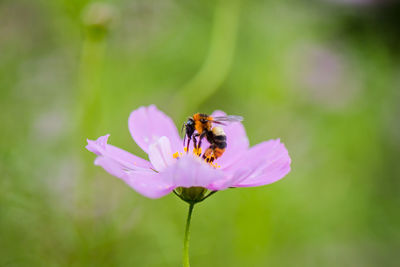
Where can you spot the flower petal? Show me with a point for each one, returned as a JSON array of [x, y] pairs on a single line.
[[136, 172], [148, 124], [160, 154], [237, 142], [111, 166], [230, 179], [263, 164], [189, 171], [148, 183], [115, 160]]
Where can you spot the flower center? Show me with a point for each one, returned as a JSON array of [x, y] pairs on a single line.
[[197, 152]]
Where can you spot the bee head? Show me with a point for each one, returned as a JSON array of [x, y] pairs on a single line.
[[189, 130], [189, 127]]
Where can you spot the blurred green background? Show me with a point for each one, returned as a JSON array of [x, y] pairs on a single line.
[[322, 75]]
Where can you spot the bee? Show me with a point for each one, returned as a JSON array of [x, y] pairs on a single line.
[[217, 139], [200, 125]]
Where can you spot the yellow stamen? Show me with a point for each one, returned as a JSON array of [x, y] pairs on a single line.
[[197, 152], [215, 165]]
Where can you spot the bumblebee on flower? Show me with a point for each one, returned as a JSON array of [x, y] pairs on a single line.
[[169, 167]]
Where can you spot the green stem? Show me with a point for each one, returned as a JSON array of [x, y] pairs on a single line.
[[218, 61], [186, 262], [88, 102]]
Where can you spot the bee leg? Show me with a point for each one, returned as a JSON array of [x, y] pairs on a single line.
[[207, 154], [188, 144], [201, 138], [199, 142], [207, 159], [194, 142]]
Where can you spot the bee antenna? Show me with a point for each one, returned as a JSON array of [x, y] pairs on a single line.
[[183, 126]]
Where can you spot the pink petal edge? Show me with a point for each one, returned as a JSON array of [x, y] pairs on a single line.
[[113, 159], [266, 163], [148, 124], [149, 184]]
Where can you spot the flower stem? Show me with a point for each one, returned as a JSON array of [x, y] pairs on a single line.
[[218, 62], [186, 262]]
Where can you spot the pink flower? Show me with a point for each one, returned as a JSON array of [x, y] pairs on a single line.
[[156, 134]]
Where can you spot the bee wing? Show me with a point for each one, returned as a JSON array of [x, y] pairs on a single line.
[[227, 119], [224, 120]]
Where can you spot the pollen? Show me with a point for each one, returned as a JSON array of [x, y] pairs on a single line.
[[197, 152], [215, 165]]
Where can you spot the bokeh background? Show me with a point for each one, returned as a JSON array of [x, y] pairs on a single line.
[[322, 75]]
